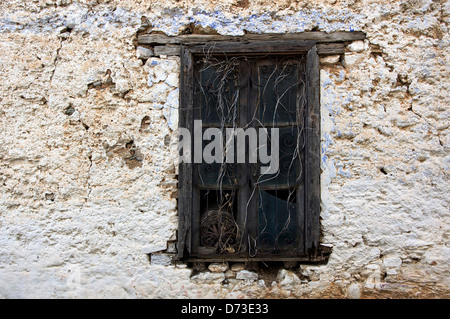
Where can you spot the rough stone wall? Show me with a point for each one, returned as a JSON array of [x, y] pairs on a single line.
[[88, 150]]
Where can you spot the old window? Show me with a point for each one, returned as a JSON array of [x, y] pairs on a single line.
[[249, 187]]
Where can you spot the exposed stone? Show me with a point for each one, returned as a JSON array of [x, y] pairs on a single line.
[[392, 262], [392, 265], [352, 58], [330, 59], [356, 46], [354, 291], [172, 248], [230, 274], [237, 267], [218, 267], [80, 213], [287, 278], [208, 278], [161, 259], [247, 275], [143, 53], [311, 272]]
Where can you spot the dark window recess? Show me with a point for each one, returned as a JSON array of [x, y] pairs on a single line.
[[230, 211]]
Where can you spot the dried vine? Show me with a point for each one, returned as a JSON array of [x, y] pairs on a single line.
[[221, 84]]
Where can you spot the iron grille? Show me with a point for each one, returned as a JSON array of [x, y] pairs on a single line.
[[236, 211]]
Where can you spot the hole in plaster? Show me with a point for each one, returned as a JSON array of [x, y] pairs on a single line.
[[69, 110], [129, 145], [383, 170], [145, 26], [145, 123], [243, 3], [70, 27], [100, 84], [135, 159], [192, 28], [375, 50], [166, 140], [189, 29]]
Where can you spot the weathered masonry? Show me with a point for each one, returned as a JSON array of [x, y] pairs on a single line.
[[94, 202], [229, 211]]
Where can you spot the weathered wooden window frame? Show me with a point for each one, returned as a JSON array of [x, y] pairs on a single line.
[[311, 43], [312, 169]]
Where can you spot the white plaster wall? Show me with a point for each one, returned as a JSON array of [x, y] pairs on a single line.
[[78, 217]]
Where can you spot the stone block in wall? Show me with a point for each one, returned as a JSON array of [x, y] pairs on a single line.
[[356, 46], [247, 275], [353, 58], [144, 53], [287, 277], [208, 277], [330, 59], [161, 259], [218, 267], [237, 267]]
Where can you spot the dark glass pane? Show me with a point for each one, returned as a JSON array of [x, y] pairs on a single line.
[[290, 169], [219, 173], [219, 95], [277, 217], [278, 93], [216, 175]]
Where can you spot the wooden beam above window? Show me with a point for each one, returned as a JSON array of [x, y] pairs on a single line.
[[327, 43], [319, 37]]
